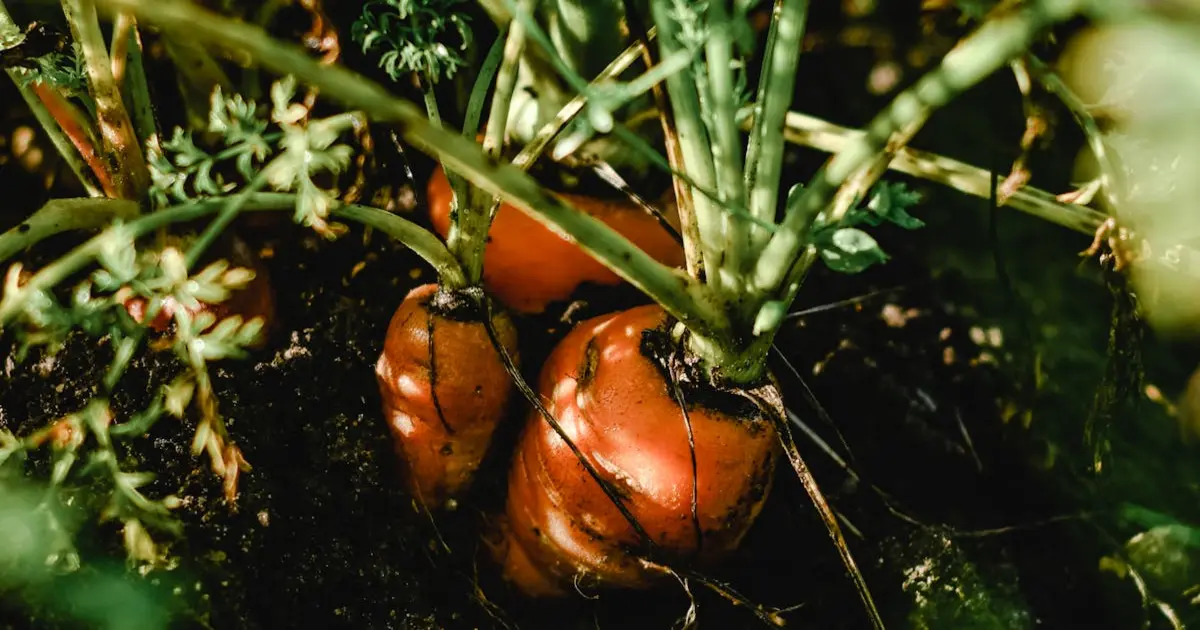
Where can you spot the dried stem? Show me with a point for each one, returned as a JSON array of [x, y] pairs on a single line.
[[118, 142]]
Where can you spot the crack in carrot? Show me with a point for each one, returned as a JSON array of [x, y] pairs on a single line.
[[536, 401]]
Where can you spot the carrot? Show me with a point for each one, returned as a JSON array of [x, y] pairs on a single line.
[[444, 389], [256, 299], [527, 266], [693, 477]]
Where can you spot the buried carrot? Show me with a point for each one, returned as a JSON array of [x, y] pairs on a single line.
[[256, 300], [528, 267], [683, 469], [444, 389]]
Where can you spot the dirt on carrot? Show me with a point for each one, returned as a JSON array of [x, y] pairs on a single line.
[[444, 389], [692, 468]]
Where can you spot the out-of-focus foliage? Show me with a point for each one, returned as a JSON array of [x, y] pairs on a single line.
[[1144, 77], [37, 561]]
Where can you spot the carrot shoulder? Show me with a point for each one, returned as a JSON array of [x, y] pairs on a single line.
[[444, 390], [527, 267], [694, 476]]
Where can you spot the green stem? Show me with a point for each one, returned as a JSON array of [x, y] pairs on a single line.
[[481, 210], [577, 40], [62, 215], [692, 257], [506, 83], [138, 89], [233, 207], [466, 236], [534, 149], [590, 25], [975, 58], [117, 139], [62, 144], [694, 143], [764, 156], [419, 240], [726, 146], [678, 294], [809, 131]]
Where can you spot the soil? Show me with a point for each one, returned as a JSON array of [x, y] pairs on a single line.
[[984, 525], [322, 536]]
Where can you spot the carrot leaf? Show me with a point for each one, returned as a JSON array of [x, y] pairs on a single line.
[[415, 36], [850, 250]]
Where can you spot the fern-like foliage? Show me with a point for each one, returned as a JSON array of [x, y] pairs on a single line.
[[298, 149], [848, 249], [62, 70], [83, 448], [308, 149], [183, 171], [421, 36]]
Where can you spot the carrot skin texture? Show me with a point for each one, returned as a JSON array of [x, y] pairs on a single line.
[[526, 266], [619, 409], [442, 399]]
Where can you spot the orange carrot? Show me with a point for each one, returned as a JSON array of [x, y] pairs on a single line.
[[444, 389], [692, 476], [527, 267]]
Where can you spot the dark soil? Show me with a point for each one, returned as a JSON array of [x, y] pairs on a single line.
[[322, 536]]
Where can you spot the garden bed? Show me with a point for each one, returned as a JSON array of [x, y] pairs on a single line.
[[322, 533], [990, 524]]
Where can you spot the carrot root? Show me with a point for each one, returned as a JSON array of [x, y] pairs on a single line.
[[693, 482], [444, 390]]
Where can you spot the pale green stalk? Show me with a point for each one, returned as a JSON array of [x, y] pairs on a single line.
[[137, 88], [61, 142], [764, 156], [506, 82], [993, 45], [464, 234], [694, 144], [63, 215], [534, 149], [809, 131], [471, 220], [1087, 123], [677, 293], [233, 206], [726, 143]]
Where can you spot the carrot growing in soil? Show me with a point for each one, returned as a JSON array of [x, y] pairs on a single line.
[[693, 465], [743, 274], [600, 475], [444, 389]]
